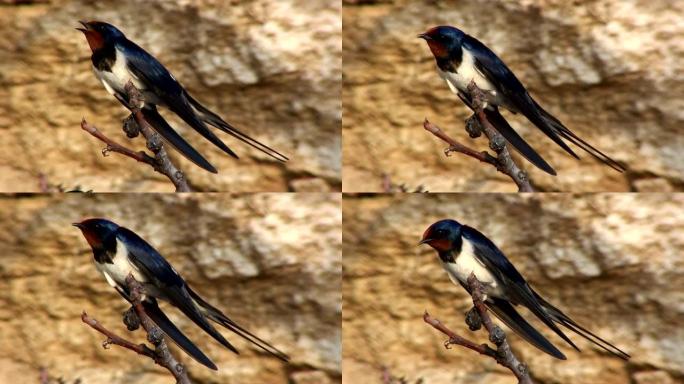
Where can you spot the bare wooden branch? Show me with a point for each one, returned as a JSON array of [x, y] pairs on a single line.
[[114, 339], [503, 161], [454, 338], [455, 146], [44, 378], [503, 354], [160, 162], [160, 354], [113, 146]]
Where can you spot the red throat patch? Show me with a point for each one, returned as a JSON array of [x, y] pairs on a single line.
[[441, 245], [95, 39], [438, 49], [91, 238]]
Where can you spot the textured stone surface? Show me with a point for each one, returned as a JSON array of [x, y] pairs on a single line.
[[272, 68], [613, 263], [611, 70], [272, 262]]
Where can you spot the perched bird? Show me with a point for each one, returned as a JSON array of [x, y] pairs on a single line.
[[117, 60], [462, 58], [119, 252], [463, 250]]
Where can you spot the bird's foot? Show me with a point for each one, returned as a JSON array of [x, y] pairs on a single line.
[[130, 126], [473, 319], [473, 127], [131, 319]]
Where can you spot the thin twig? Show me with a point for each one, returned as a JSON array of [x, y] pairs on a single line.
[[503, 354], [113, 146], [386, 377], [503, 161], [482, 349], [160, 162], [113, 338], [455, 146], [44, 377], [160, 354]]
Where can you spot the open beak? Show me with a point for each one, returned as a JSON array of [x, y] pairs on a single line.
[[425, 241], [424, 36], [85, 24]]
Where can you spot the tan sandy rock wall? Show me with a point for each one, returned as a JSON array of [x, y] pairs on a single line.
[[272, 68], [271, 262], [611, 70], [612, 262]]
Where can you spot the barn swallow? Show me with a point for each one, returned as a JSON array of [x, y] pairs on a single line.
[[463, 250], [119, 252], [117, 60], [462, 58]]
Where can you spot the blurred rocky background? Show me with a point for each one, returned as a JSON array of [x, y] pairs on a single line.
[[612, 262], [272, 262], [272, 68], [611, 70]]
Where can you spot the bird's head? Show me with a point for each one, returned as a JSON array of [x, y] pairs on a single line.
[[442, 235], [97, 231], [99, 33], [443, 40]]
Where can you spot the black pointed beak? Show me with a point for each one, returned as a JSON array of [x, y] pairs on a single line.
[[85, 24], [425, 241], [77, 225], [424, 36]]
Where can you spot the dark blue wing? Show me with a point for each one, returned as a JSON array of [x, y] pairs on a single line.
[[158, 80], [149, 261], [566, 321], [159, 317], [502, 126], [516, 288], [155, 313], [219, 317], [506, 313], [507, 84], [172, 137], [210, 117], [166, 279], [496, 71]]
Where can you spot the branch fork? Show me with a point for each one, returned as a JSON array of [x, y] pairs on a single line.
[[133, 125], [133, 319], [475, 318], [475, 125]]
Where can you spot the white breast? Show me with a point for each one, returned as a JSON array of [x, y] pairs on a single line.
[[120, 268], [467, 72], [115, 81], [466, 263]]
